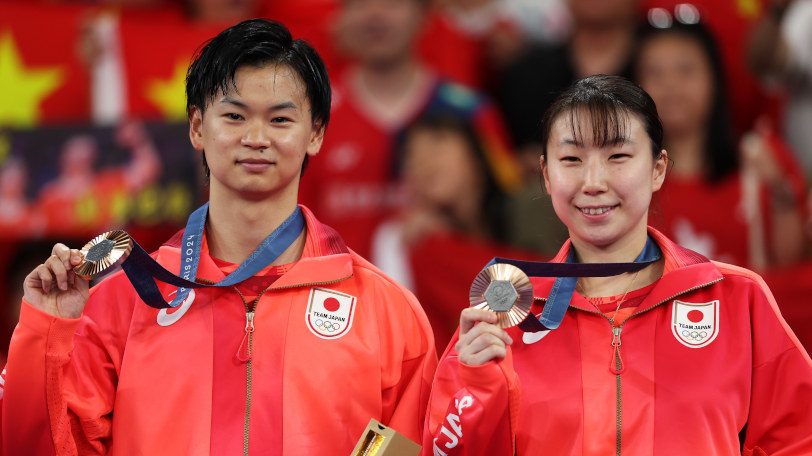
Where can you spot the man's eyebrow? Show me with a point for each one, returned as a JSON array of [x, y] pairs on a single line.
[[276, 107], [229, 100], [284, 105]]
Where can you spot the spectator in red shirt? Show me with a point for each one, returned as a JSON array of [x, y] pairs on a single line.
[[385, 89], [739, 205], [452, 223]]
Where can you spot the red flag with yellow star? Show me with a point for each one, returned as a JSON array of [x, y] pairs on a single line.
[[42, 77], [158, 49]]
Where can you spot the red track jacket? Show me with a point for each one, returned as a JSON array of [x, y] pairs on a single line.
[[334, 343], [706, 355]]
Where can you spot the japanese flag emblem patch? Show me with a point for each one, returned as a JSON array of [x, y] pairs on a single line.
[[695, 325], [329, 313]]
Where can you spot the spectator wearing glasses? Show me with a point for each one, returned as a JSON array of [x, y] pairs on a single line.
[[728, 22], [739, 204]]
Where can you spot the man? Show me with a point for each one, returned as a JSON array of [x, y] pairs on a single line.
[[381, 93], [295, 359]]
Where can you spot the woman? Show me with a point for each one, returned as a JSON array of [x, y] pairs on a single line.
[[752, 197], [684, 356]]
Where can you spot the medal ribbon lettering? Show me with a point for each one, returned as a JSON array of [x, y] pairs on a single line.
[[143, 270]]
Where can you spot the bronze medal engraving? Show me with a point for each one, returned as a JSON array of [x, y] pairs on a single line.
[[504, 289], [103, 254]]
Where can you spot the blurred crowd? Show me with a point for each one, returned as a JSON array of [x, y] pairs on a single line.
[[430, 164]]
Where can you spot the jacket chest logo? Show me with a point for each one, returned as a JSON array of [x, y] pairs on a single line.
[[695, 325], [167, 317], [329, 313]]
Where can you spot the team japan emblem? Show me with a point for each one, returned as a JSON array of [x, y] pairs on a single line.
[[329, 313], [695, 325]]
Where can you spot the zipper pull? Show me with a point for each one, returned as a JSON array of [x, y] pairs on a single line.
[[616, 365], [244, 351]]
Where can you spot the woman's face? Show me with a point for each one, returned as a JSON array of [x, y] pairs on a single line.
[[675, 71], [601, 194], [439, 167]]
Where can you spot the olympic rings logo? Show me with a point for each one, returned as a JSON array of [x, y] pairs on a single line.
[[327, 325], [694, 335]]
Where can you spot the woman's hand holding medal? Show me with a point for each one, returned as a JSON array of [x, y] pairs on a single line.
[[481, 340]]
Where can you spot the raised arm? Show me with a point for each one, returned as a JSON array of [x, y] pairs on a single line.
[[473, 407], [42, 412]]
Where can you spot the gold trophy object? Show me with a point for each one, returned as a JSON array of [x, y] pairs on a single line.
[[379, 440]]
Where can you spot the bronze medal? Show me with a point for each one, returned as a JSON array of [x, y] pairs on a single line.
[[103, 254], [504, 289]]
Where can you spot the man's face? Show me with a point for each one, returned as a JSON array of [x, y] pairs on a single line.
[[603, 12], [379, 32], [255, 138]]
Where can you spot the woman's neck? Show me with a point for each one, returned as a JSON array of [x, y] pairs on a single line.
[[623, 251], [603, 287], [687, 150], [466, 217]]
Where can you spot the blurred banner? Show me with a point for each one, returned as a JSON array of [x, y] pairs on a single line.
[[69, 182]]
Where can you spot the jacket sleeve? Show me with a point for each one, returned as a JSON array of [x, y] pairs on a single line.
[[779, 422], [56, 401], [473, 409], [409, 359]]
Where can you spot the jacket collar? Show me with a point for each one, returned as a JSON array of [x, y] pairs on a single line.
[[683, 270], [325, 259]]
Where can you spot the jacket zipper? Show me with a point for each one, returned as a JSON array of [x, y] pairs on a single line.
[[249, 332], [616, 365], [244, 353], [247, 344], [618, 360]]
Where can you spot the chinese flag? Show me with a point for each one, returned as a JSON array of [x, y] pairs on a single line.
[[43, 80], [158, 48]]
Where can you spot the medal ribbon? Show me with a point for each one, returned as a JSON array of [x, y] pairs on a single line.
[[566, 275], [143, 270]]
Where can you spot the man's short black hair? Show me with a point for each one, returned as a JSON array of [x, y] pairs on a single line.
[[256, 42]]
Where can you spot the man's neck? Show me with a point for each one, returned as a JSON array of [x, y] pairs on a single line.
[[388, 78], [601, 49], [235, 228], [391, 92]]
